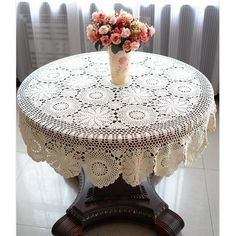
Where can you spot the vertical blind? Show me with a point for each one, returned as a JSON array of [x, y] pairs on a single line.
[[52, 29]]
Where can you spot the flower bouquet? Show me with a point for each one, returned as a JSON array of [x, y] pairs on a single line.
[[121, 33]]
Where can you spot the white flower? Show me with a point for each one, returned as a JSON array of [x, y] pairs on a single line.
[[89, 28], [60, 108], [51, 75], [179, 74], [63, 162], [78, 82], [95, 16], [95, 117], [144, 28], [125, 14], [125, 32], [173, 106], [42, 91], [135, 95], [151, 31], [103, 29], [112, 20], [69, 93]]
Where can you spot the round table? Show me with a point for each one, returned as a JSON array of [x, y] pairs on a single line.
[[71, 116]]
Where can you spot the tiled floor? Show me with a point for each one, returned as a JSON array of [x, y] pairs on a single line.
[[192, 192]]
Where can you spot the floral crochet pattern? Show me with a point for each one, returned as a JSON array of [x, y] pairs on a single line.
[[95, 117], [72, 115], [173, 107]]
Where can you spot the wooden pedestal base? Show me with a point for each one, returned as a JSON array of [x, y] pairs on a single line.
[[118, 201]]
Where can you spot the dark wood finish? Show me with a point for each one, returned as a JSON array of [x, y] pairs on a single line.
[[66, 226], [117, 202]]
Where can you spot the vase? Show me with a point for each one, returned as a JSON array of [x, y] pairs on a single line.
[[119, 66]]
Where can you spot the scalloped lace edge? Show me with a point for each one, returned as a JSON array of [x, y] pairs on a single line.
[[135, 167]]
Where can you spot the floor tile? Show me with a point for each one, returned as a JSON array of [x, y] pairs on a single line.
[[185, 193], [22, 230], [21, 161], [42, 195], [196, 164], [212, 180]]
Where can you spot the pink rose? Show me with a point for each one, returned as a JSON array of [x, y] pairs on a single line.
[[144, 28], [151, 30], [112, 20], [135, 46], [105, 40], [98, 17], [143, 37], [116, 30], [92, 36], [103, 29], [123, 21], [90, 28], [126, 15], [127, 46], [116, 38], [101, 17], [95, 16], [125, 33]]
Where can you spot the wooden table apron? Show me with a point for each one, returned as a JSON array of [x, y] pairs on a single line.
[[71, 115]]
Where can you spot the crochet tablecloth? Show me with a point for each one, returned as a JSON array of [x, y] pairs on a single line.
[[72, 115]]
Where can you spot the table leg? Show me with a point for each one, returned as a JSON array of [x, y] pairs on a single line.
[[118, 201]]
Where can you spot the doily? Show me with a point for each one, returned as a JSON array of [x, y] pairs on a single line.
[[72, 115]]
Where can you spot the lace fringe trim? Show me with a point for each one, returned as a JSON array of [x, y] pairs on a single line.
[[105, 167]]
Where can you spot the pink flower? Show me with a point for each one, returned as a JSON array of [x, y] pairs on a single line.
[[143, 37], [116, 38], [112, 20], [151, 30], [105, 40], [119, 28], [125, 33], [103, 29], [116, 30], [90, 28], [123, 21], [135, 46], [98, 17], [126, 15], [122, 60], [127, 46], [144, 28], [95, 16], [92, 36], [101, 17]]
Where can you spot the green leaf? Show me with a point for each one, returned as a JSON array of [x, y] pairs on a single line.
[[97, 44], [115, 48], [101, 46]]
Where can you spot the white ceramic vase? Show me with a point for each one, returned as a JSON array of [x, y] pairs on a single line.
[[119, 66]]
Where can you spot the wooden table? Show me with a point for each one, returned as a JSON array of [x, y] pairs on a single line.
[[71, 115]]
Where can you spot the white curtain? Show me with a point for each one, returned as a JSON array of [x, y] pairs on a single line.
[[187, 30]]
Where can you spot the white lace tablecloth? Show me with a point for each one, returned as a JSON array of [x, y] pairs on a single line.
[[71, 114]]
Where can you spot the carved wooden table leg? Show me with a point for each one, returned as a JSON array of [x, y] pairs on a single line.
[[118, 201], [66, 226]]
